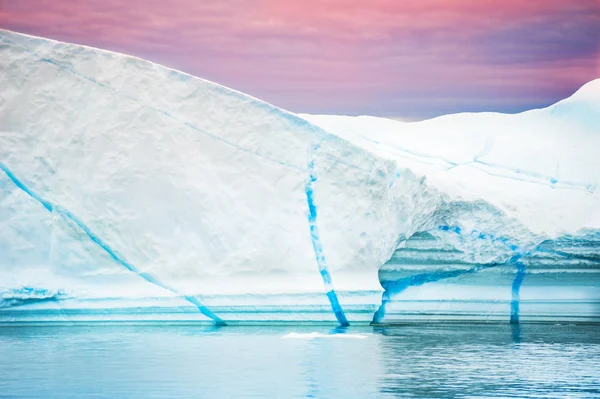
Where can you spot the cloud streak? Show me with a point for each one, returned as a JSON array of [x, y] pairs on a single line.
[[411, 59]]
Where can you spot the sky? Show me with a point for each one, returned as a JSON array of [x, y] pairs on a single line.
[[405, 59]]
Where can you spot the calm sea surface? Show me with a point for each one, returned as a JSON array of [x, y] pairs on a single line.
[[426, 361]]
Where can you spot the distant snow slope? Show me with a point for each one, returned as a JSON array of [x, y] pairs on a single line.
[[541, 167], [524, 186], [129, 186]]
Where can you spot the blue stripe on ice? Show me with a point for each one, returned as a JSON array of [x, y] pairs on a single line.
[[112, 253], [23, 187], [516, 287], [337, 308], [397, 286], [318, 247], [325, 273], [547, 178], [516, 260], [527, 176], [205, 311]]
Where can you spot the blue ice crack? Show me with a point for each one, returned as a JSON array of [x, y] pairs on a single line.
[[318, 246], [516, 288], [396, 287], [533, 177], [105, 247], [514, 260], [392, 288]]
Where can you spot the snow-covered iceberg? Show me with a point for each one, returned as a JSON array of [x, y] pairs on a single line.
[[130, 191]]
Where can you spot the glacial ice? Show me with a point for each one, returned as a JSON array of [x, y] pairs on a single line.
[[130, 191]]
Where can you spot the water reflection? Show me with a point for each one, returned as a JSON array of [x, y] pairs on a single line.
[[482, 361], [417, 361], [516, 332]]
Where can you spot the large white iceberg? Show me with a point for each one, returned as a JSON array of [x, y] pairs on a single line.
[[132, 191]]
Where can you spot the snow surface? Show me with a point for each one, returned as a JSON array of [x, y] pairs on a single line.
[[128, 185], [528, 165]]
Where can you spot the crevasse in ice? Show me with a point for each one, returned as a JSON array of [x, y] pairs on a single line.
[[130, 191]]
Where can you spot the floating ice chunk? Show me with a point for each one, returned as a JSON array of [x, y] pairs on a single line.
[[314, 335]]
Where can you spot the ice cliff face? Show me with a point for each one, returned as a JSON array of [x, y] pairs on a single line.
[[517, 222], [129, 190]]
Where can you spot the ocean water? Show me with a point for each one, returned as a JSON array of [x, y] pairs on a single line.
[[192, 361]]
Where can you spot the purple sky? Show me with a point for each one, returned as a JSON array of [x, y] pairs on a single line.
[[408, 59]]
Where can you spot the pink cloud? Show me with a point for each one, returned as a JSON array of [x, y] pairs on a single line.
[[411, 58]]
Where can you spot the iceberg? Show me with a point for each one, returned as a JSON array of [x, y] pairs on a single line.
[[133, 192]]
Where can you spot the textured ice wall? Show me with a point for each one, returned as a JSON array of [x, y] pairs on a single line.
[[518, 227], [136, 191], [131, 172], [530, 165]]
